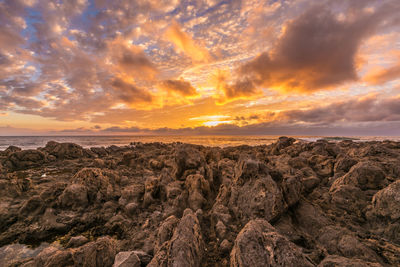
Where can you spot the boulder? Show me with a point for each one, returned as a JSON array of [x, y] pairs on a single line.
[[75, 196], [199, 191], [26, 159], [186, 246], [102, 185], [365, 175], [126, 259], [283, 142], [99, 253], [64, 150], [334, 260], [257, 198], [77, 241], [258, 244], [386, 202], [187, 158]]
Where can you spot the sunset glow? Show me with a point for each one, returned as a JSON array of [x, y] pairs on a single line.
[[203, 66]]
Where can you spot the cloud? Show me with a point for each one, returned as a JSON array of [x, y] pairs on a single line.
[[181, 87], [130, 59], [185, 43], [316, 50], [382, 75], [244, 88], [239, 89], [129, 93], [366, 109]]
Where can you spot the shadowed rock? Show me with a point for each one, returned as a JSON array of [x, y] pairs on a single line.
[[291, 203]]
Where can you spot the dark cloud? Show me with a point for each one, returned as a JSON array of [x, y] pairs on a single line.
[[129, 93], [367, 109], [133, 61], [22, 102], [123, 130], [317, 50], [243, 88], [179, 86]]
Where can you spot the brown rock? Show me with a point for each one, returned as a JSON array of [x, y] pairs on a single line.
[[386, 202], [258, 244]]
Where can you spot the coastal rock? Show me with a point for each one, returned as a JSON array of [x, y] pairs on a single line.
[[283, 142], [291, 203], [126, 259], [333, 260], [97, 253], [187, 158], [186, 247], [77, 241], [101, 184], [258, 244], [259, 197], [386, 202], [199, 191], [64, 150], [75, 195], [26, 159], [365, 175]]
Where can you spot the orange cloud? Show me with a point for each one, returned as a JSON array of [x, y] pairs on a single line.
[[130, 93], [316, 51], [181, 87], [130, 60], [184, 43], [383, 75], [240, 89]]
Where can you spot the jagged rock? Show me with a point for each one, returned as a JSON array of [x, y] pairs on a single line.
[[186, 246], [333, 203], [77, 241], [33, 206], [339, 241], [101, 184], [132, 193], [12, 149], [282, 143], [343, 164], [126, 259], [152, 190], [225, 246], [187, 158], [259, 197], [64, 150], [292, 189], [100, 151], [365, 175], [75, 195], [53, 256], [199, 191], [333, 261], [97, 253], [386, 202], [258, 244], [309, 183], [26, 159]]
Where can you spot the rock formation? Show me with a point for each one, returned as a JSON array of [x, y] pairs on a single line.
[[291, 203]]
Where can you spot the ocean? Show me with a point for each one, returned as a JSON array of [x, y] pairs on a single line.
[[32, 142]]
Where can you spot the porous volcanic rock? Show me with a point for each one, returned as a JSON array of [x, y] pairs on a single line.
[[290, 203]]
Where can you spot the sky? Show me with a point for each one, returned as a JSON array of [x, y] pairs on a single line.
[[293, 67]]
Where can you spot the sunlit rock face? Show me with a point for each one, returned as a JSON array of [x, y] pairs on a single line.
[[291, 203]]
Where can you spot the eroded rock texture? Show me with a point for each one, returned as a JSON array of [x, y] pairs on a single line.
[[290, 203]]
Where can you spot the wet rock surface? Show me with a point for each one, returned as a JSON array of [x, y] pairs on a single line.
[[290, 203]]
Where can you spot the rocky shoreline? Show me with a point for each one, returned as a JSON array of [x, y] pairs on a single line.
[[290, 203]]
